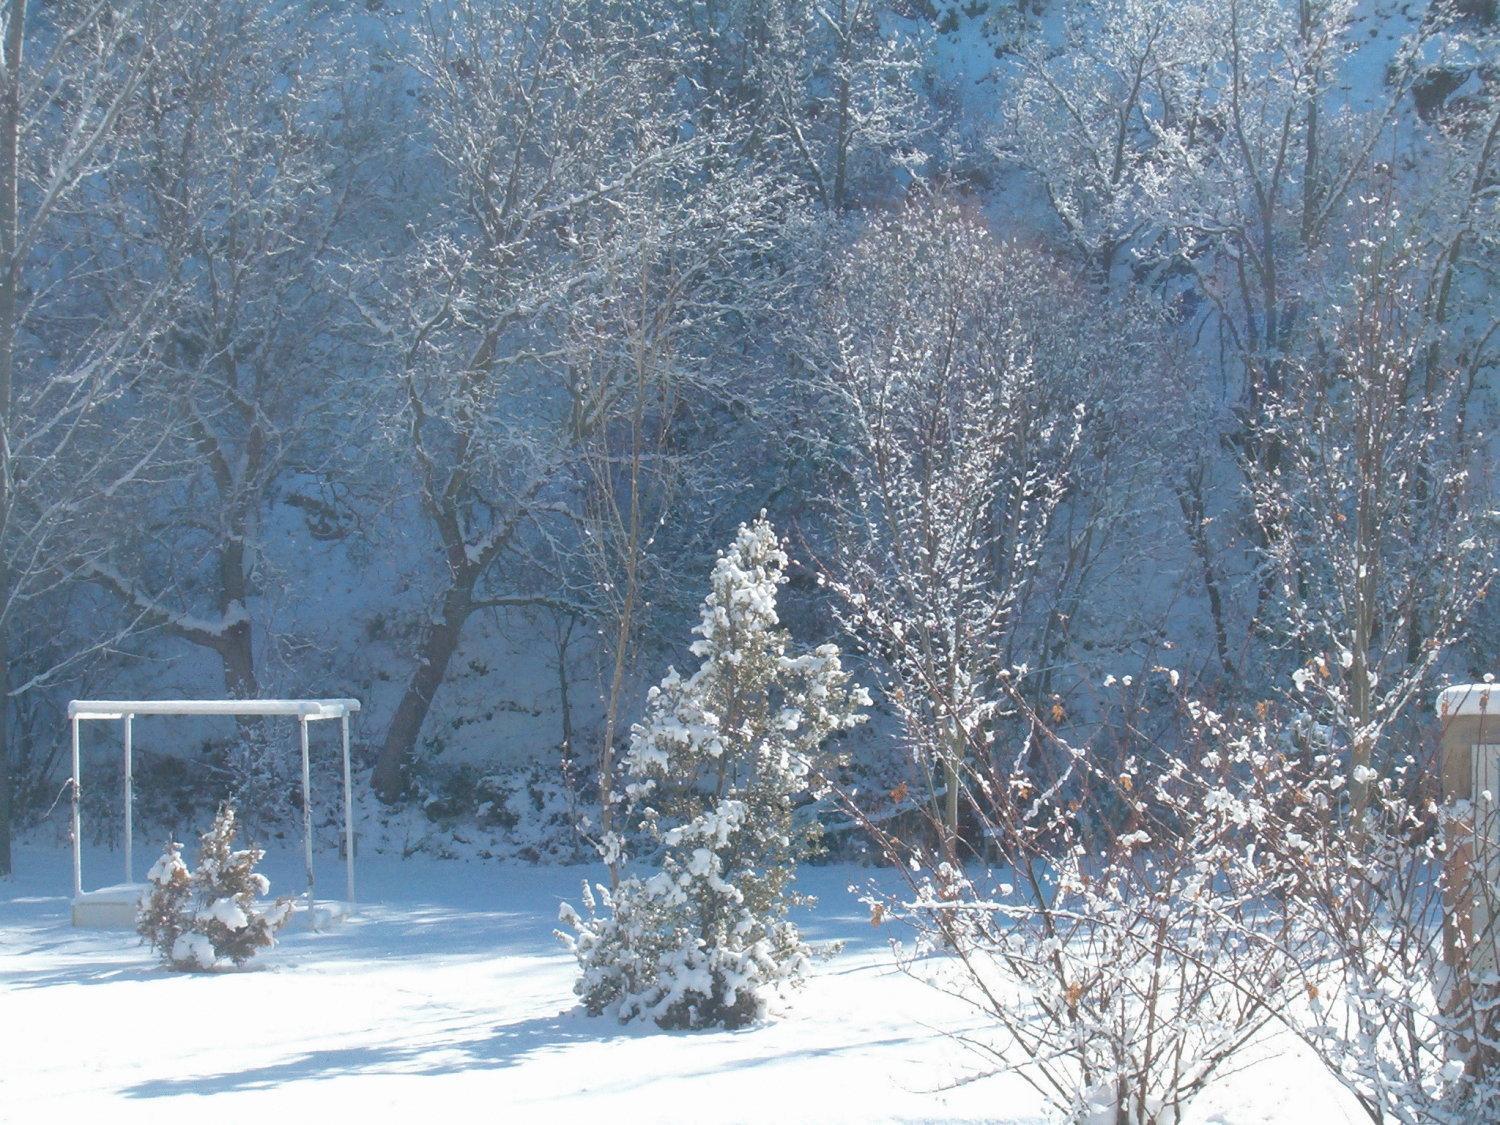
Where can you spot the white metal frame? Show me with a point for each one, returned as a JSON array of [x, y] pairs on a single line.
[[303, 710]]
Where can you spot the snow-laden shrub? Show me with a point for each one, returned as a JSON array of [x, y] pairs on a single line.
[[164, 915], [213, 915], [1396, 893], [714, 774], [1122, 965], [536, 811], [1126, 965], [525, 812]]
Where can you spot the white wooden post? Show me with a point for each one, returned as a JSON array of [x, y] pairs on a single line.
[[1469, 774], [77, 841], [129, 804], [348, 816], [1468, 771], [307, 848]]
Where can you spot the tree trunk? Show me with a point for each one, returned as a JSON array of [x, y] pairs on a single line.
[[7, 782], [1194, 508], [950, 806], [611, 721], [10, 223], [238, 648], [10, 218], [952, 762], [437, 649], [1361, 697], [238, 655]]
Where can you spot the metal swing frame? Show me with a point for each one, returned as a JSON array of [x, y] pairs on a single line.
[[305, 711]]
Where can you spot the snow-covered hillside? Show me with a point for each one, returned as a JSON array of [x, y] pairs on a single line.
[[341, 447]]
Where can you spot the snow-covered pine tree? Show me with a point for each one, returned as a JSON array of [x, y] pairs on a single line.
[[714, 774], [163, 915], [213, 915]]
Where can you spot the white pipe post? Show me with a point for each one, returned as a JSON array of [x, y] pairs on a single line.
[[307, 848], [348, 816], [77, 837], [129, 804]]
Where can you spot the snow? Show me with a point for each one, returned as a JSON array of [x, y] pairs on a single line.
[[302, 708], [165, 867], [1466, 699], [194, 949], [227, 912], [449, 991]]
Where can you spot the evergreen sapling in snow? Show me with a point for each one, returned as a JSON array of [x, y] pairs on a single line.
[[213, 915], [164, 915], [714, 775]]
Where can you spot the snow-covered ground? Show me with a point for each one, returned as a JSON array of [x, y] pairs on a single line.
[[448, 997]]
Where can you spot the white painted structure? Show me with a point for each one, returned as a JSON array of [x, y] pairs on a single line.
[[114, 907], [1468, 699], [1470, 723]]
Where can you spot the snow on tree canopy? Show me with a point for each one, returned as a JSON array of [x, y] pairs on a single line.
[[714, 771]]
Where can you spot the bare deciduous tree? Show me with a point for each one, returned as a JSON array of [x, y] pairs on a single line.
[[68, 73], [839, 93], [244, 185], [1370, 509], [650, 348], [956, 461], [540, 115]]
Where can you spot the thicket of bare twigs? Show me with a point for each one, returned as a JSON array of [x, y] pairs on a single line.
[[1125, 961]]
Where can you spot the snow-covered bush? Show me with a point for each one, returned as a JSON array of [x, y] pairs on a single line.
[[1125, 963], [525, 812], [714, 775], [213, 915], [1396, 898], [164, 914], [1122, 965]]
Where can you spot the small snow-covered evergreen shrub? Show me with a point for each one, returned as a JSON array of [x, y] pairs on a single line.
[[714, 776], [163, 916], [213, 915]]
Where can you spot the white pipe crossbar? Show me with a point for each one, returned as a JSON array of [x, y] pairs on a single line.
[[311, 709], [303, 710]]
